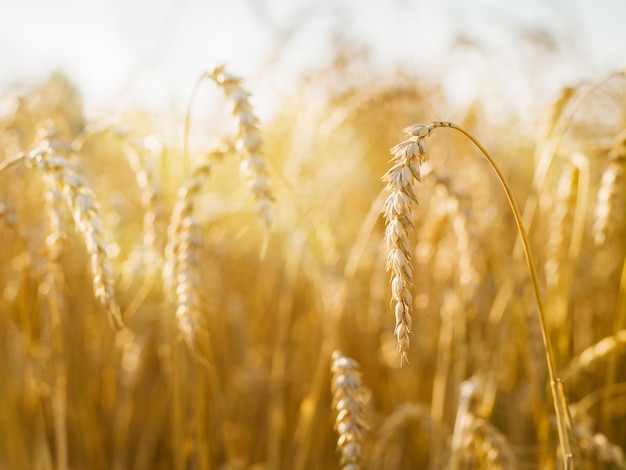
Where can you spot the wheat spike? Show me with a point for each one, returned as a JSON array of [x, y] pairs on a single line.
[[349, 399], [248, 140], [59, 175], [594, 354], [476, 441], [180, 271], [400, 179], [611, 194]]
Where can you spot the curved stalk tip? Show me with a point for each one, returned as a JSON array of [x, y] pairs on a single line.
[[556, 384]]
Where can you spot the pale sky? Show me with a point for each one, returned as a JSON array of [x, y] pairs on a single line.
[[149, 52]]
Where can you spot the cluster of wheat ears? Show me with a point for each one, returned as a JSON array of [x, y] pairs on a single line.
[[164, 306]]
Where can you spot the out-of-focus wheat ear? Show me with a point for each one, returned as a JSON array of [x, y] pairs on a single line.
[[396, 426], [476, 441], [349, 400], [59, 174], [489, 446], [561, 222], [249, 140], [180, 271], [608, 214], [595, 448], [566, 230], [590, 357], [397, 211]]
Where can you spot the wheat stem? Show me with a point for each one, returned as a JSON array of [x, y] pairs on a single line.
[[557, 386]]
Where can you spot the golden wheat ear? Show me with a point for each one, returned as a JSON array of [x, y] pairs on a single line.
[[248, 141], [477, 442], [400, 178], [608, 220], [349, 399], [181, 268], [60, 176]]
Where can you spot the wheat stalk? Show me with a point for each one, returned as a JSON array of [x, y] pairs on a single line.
[[51, 290], [455, 205], [407, 157]]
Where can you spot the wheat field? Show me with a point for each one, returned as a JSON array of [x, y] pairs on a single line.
[[295, 296]]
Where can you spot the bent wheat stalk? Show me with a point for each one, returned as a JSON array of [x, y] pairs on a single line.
[[407, 158]]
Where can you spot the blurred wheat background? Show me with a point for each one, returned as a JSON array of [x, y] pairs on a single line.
[[206, 286]]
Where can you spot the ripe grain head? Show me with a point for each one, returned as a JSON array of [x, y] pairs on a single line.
[[60, 176], [401, 199], [349, 400]]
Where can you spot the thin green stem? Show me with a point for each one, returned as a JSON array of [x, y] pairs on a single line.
[[556, 384]]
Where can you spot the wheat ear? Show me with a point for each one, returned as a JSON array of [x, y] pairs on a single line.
[[60, 176], [400, 178], [607, 216], [560, 261], [561, 223], [248, 139], [489, 444], [180, 271], [475, 434], [596, 447], [349, 399], [602, 350], [401, 423]]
